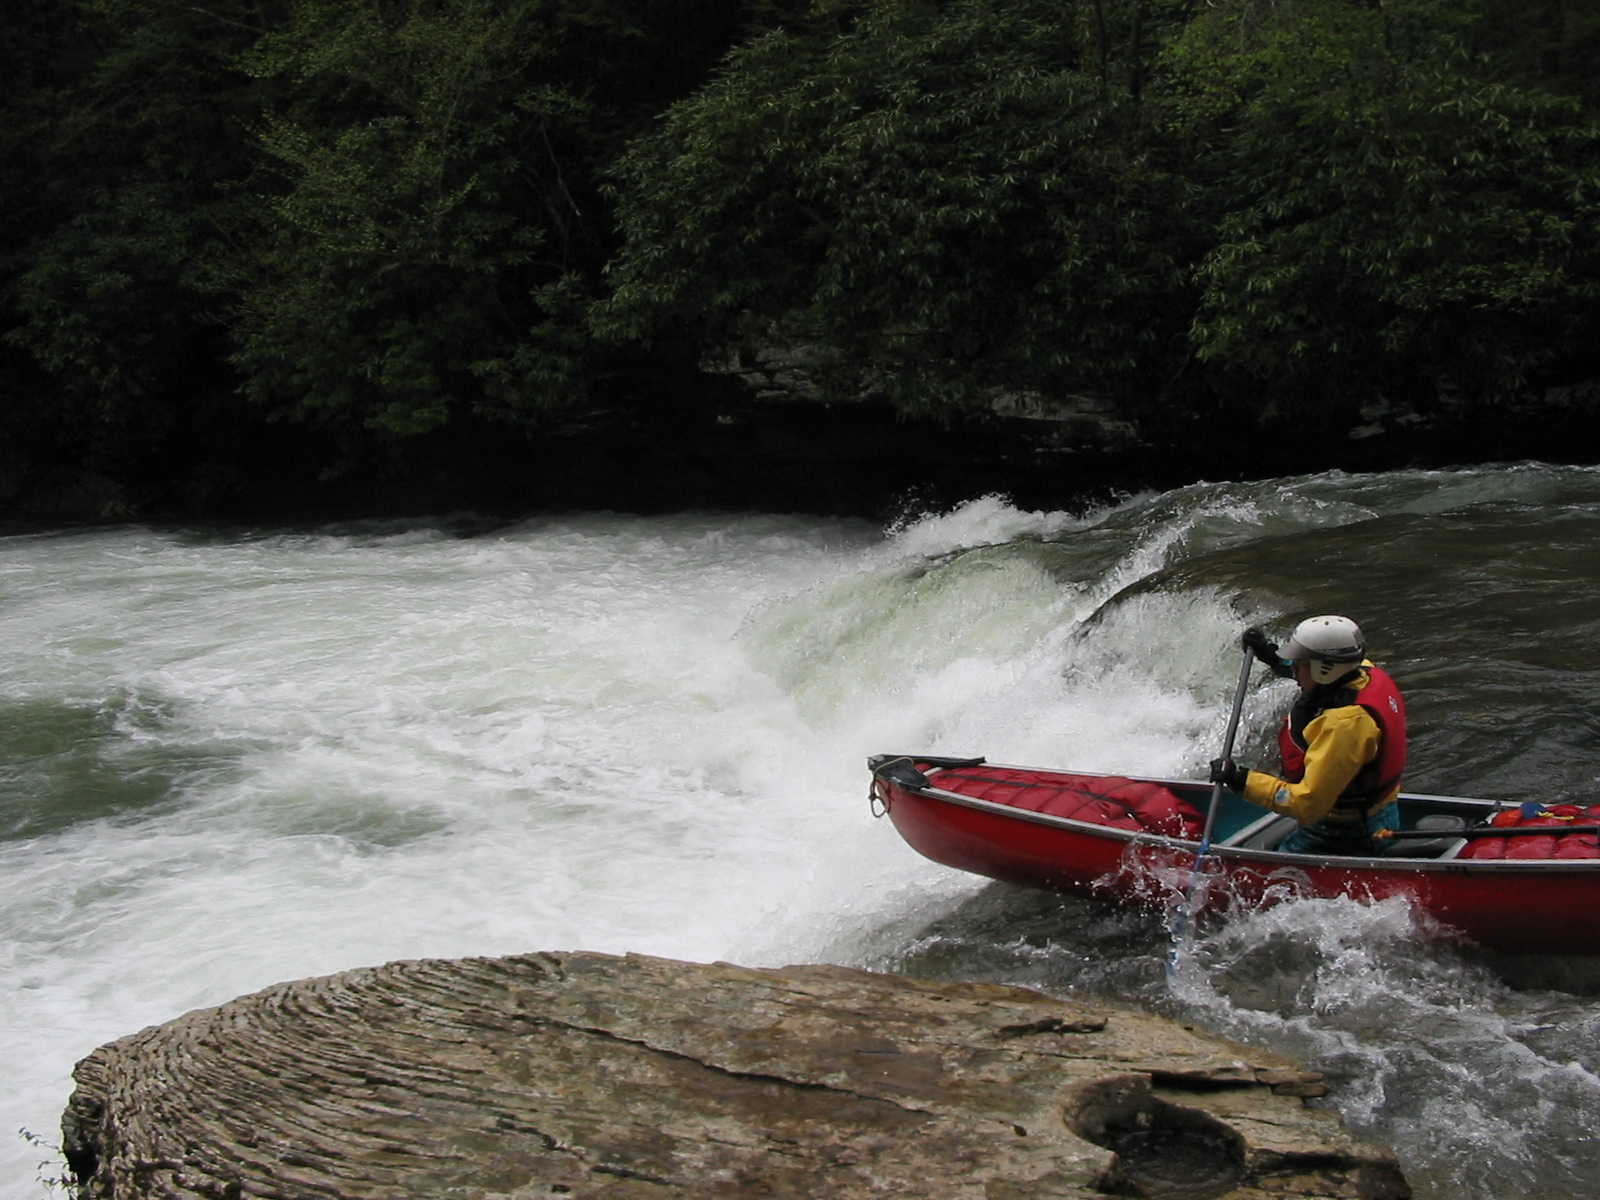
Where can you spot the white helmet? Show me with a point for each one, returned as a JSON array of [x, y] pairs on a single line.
[[1332, 645]]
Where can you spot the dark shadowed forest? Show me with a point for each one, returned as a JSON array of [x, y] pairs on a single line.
[[268, 257]]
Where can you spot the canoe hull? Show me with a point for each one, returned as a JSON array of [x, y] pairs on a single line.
[[1538, 905]]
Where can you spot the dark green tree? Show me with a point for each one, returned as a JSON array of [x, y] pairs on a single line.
[[429, 232], [254, 238], [1548, 45], [937, 200], [1391, 212], [376, 231], [121, 133]]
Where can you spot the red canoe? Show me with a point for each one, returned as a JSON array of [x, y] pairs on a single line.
[[1509, 877]]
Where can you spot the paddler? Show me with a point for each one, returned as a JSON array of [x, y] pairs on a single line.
[[1342, 745]]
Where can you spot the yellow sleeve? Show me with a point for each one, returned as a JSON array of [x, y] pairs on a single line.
[[1339, 742]]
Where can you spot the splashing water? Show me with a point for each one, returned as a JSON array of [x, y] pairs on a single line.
[[236, 758]]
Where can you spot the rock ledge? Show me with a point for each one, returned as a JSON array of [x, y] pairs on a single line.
[[583, 1074]]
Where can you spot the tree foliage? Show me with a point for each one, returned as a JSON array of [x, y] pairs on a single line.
[[1391, 211], [422, 228], [954, 197], [435, 234], [117, 151], [368, 232]]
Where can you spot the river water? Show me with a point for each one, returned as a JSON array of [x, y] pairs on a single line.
[[234, 757]]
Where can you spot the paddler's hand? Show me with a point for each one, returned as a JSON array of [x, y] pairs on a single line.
[[1256, 642], [1228, 773]]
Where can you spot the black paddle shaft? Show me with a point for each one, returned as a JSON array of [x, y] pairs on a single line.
[[1227, 748]]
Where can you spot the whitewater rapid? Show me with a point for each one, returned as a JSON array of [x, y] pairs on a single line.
[[234, 757]]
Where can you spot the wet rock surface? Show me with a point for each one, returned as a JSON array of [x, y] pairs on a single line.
[[577, 1074]]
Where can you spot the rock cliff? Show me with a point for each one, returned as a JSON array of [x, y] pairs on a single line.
[[588, 1075]]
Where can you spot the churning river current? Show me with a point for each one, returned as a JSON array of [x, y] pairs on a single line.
[[234, 757]]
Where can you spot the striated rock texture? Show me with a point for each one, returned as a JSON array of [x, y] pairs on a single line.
[[630, 1077]]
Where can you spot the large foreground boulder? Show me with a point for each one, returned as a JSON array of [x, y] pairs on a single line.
[[592, 1075]]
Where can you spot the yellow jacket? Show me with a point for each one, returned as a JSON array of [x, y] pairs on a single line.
[[1339, 742]]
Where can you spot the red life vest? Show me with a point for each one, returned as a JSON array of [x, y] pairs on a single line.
[[1382, 700]]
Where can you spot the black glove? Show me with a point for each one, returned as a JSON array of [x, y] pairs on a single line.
[[1228, 773], [1256, 642]]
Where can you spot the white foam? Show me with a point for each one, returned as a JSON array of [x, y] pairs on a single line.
[[604, 733]]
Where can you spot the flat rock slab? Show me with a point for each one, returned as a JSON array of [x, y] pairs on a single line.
[[594, 1075]]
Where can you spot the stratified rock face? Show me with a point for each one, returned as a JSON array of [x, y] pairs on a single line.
[[592, 1075]]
